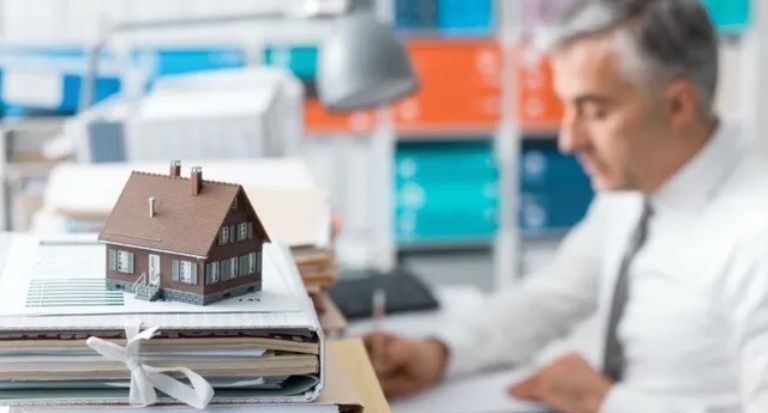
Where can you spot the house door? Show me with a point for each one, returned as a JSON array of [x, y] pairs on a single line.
[[154, 270]]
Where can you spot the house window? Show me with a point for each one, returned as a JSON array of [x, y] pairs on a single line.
[[229, 268], [184, 271], [212, 274], [226, 270], [250, 230], [234, 264], [232, 233], [234, 203], [252, 262], [248, 264], [244, 265], [242, 231], [121, 261], [224, 235], [112, 259]]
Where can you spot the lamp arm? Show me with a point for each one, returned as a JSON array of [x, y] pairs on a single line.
[[92, 69]]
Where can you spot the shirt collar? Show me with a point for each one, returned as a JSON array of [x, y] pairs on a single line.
[[698, 180]]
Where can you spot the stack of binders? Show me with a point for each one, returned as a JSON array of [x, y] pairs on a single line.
[[67, 340]]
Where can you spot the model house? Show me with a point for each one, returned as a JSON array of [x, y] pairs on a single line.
[[183, 239]]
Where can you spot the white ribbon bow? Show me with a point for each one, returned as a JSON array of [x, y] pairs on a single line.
[[145, 379]]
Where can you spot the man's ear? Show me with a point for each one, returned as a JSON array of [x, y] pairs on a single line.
[[683, 102]]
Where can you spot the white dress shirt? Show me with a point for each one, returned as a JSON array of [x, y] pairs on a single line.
[[695, 329]]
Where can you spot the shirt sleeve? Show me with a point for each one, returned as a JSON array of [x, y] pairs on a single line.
[[745, 302], [513, 325]]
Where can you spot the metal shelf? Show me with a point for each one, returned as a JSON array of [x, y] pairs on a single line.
[[539, 136], [438, 34], [543, 236], [446, 136], [540, 133], [447, 245]]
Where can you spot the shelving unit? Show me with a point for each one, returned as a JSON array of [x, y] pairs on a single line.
[[539, 123], [754, 75], [507, 247], [507, 138], [23, 171], [356, 153]]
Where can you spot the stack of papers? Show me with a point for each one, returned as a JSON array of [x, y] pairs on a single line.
[[351, 386], [233, 361], [319, 272], [265, 346], [300, 218], [317, 267]]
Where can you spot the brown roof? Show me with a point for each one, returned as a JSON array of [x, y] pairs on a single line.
[[183, 223]]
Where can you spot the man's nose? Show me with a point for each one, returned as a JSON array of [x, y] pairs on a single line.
[[573, 138]]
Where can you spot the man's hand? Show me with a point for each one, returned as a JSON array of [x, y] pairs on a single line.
[[569, 384], [405, 366]]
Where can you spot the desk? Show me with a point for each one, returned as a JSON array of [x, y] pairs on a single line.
[[483, 393]]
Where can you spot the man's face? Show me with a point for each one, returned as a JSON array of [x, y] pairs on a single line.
[[614, 128]]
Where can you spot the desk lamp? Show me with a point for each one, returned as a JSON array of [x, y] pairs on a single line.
[[361, 64]]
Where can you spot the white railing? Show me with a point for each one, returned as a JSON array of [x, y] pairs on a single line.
[[144, 291], [140, 282]]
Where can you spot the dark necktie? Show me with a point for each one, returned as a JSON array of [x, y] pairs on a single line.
[[614, 361]]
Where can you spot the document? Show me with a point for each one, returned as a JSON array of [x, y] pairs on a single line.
[[484, 393], [40, 278]]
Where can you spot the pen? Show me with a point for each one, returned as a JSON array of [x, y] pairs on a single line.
[[378, 311], [379, 308]]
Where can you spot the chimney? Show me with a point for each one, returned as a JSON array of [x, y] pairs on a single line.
[[196, 180], [175, 169], [152, 206]]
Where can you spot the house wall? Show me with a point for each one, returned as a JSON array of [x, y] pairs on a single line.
[[236, 249], [141, 265]]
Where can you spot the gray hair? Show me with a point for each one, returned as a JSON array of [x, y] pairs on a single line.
[[672, 38]]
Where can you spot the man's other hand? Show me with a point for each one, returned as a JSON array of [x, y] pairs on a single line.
[[405, 366], [569, 384]]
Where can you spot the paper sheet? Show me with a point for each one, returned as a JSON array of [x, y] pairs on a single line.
[[34, 89], [36, 266], [70, 357], [65, 192], [305, 319], [265, 408], [484, 393]]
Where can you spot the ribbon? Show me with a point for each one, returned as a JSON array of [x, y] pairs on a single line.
[[145, 379]]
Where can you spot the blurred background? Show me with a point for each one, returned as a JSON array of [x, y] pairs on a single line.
[[459, 183]]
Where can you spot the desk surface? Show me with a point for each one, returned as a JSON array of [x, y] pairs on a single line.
[[483, 393], [351, 359]]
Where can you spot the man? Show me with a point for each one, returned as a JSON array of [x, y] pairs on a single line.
[[670, 266]]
